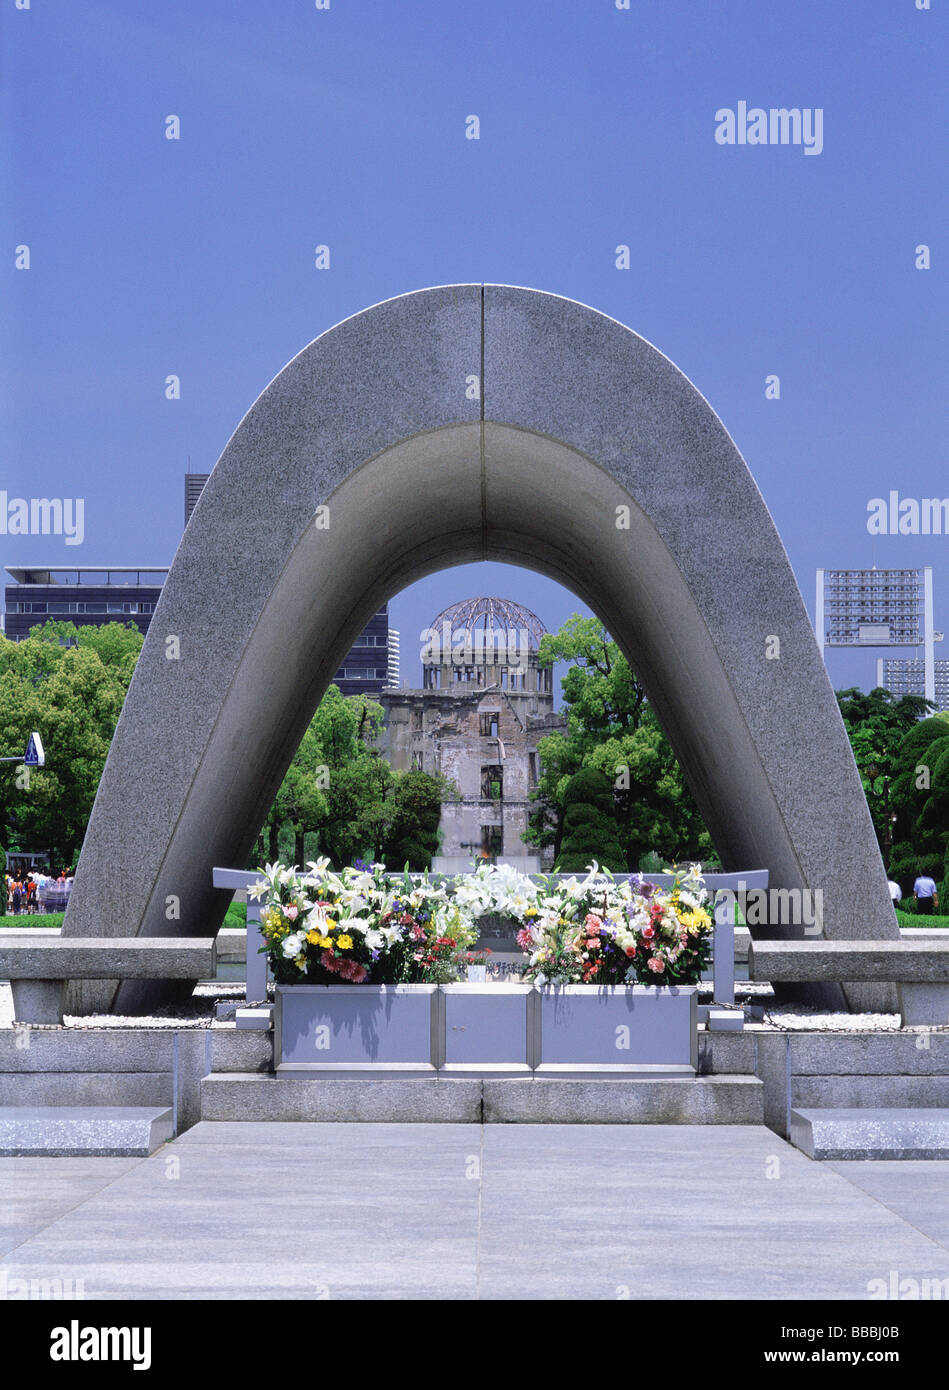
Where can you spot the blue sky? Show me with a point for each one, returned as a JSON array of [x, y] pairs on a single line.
[[346, 127]]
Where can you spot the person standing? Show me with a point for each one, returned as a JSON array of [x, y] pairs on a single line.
[[896, 891], [926, 895]]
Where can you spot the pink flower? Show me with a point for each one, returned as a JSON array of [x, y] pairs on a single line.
[[292, 911], [657, 964], [649, 932]]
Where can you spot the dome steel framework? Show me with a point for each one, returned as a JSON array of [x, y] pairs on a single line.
[[491, 615]]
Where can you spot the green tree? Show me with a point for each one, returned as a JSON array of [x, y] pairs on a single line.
[[68, 683], [413, 835], [589, 825], [340, 795], [612, 729], [876, 723], [920, 797]]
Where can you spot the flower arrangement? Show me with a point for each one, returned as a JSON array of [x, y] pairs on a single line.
[[359, 926], [595, 931], [497, 890]]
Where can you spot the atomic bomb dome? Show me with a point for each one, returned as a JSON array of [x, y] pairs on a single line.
[[483, 705], [484, 641], [491, 615]]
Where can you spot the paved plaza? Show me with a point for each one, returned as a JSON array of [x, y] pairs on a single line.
[[353, 1211]]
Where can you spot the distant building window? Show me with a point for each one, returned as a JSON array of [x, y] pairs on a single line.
[[492, 840], [492, 783], [417, 761], [489, 724]]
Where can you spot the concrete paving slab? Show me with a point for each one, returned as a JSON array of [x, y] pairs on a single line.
[[34, 1192], [917, 1191], [658, 1211], [461, 1211], [301, 1211]]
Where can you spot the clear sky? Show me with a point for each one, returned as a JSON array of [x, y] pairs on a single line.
[[346, 126]]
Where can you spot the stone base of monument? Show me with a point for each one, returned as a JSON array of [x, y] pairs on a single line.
[[489, 1030]]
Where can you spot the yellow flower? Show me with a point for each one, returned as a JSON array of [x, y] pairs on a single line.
[[330, 923], [344, 942], [300, 962], [314, 937]]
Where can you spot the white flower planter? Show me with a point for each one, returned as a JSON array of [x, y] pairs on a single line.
[[356, 1030], [488, 1029], [485, 1030], [608, 1031]]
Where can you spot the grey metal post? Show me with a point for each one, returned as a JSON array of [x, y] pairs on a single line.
[[256, 990], [723, 949]]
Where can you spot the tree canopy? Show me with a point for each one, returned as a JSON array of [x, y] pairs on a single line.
[[613, 730], [68, 683]]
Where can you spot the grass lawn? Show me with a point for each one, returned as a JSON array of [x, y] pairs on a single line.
[[28, 919], [915, 919], [236, 917]]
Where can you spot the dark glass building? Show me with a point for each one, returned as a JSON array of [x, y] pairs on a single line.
[[87, 595], [366, 668]]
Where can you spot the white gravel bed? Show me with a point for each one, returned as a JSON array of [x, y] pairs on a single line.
[[801, 1018]]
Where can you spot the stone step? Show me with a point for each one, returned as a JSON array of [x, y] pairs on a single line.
[[105, 1131], [735, 1100], [882, 1133]]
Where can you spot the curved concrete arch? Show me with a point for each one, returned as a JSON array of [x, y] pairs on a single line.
[[445, 426]]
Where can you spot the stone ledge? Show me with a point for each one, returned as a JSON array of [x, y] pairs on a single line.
[[49, 957], [251, 1096], [719, 1100], [914, 961], [86, 1088]]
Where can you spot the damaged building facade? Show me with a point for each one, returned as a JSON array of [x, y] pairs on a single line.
[[483, 705]]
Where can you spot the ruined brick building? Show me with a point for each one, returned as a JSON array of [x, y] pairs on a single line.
[[483, 705]]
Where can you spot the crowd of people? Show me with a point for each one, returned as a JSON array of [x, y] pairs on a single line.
[[28, 892]]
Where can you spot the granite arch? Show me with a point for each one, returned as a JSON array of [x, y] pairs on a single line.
[[448, 425]]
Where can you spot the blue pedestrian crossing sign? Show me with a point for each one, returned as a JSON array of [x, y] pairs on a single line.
[[34, 755]]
